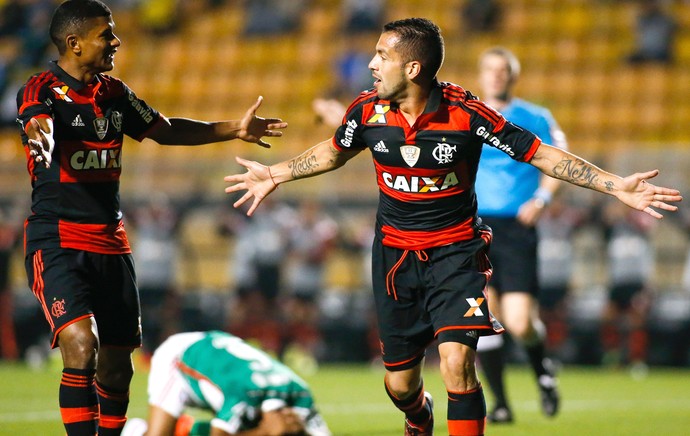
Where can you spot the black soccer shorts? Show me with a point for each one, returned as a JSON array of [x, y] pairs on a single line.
[[433, 293], [72, 285], [513, 256]]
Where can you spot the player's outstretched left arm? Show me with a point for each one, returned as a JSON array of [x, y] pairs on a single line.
[[634, 190], [251, 128]]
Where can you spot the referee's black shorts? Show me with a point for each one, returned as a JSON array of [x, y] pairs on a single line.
[[514, 256], [433, 293]]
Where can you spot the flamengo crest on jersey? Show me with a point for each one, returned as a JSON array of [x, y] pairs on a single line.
[[443, 152], [116, 118]]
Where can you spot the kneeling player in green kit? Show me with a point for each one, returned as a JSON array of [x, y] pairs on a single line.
[[250, 393]]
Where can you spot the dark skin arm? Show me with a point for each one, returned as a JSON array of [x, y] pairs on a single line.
[[184, 131], [41, 142], [173, 131]]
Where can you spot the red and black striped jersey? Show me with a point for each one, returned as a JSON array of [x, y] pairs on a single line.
[[426, 172], [76, 202]]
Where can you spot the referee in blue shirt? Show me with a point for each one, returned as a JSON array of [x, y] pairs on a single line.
[[511, 197]]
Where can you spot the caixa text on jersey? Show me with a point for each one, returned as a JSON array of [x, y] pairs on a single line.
[[405, 183], [95, 159]]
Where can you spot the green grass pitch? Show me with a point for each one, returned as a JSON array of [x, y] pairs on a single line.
[[595, 402]]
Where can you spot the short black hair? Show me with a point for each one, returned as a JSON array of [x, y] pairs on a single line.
[[71, 16], [420, 40]]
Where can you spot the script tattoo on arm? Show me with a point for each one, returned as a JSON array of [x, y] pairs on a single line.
[[579, 172], [303, 165]]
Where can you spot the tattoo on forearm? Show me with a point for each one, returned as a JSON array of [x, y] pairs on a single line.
[[303, 165], [609, 186], [578, 172]]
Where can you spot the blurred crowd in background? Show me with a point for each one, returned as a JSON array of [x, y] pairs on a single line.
[[294, 278]]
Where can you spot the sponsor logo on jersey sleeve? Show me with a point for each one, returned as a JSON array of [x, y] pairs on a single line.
[[493, 140], [349, 133], [143, 111]]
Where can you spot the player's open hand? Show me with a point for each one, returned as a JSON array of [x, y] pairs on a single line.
[[639, 194], [253, 128], [41, 143], [257, 181]]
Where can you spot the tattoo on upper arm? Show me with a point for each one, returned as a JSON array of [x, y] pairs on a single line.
[[303, 165], [578, 172]]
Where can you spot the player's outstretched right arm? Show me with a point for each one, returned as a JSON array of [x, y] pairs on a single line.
[[260, 180]]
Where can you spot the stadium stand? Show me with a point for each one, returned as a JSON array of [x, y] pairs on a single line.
[[572, 55]]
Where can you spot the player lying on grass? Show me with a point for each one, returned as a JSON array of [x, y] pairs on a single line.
[[250, 393]]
